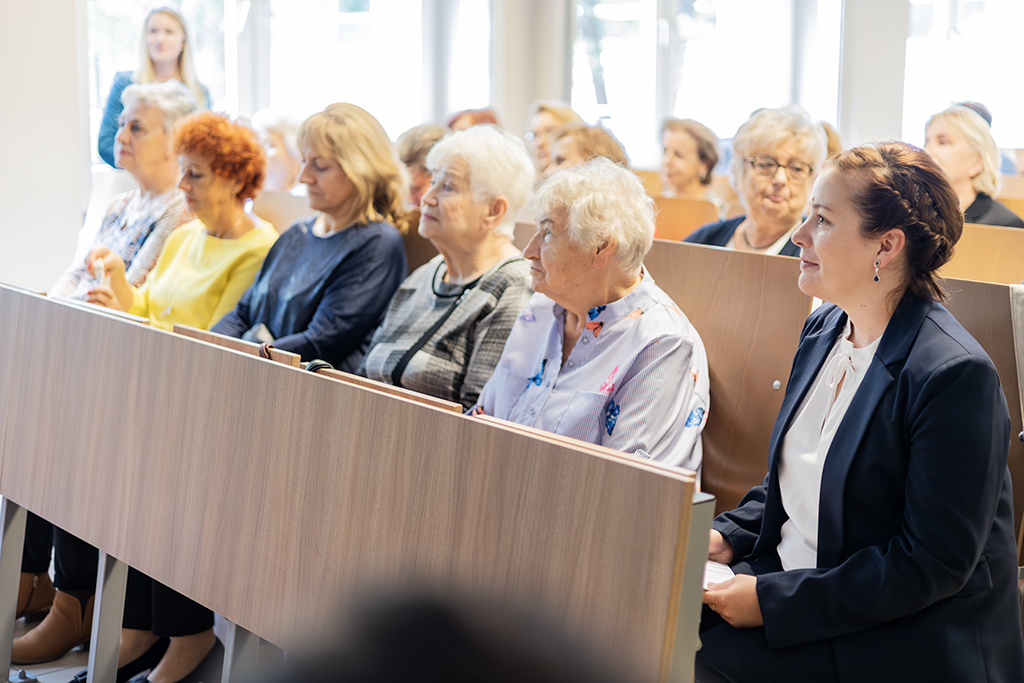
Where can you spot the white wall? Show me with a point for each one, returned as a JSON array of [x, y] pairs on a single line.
[[44, 163], [532, 48], [871, 68]]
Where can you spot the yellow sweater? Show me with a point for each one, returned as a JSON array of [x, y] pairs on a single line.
[[198, 279]]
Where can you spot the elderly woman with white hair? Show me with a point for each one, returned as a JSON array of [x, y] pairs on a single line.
[[776, 155], [601, 353], [447, 323], [961, 143]]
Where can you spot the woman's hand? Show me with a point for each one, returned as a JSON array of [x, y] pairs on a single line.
[[719, 549], [735, 600], [113, 291], [104, 296], [113, 264]]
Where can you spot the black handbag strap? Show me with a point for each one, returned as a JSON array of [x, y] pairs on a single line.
[[396, 374]]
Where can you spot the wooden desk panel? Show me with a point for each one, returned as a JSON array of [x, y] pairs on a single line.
[[274, 496], [749, 313]]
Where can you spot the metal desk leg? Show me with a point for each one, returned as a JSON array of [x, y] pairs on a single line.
[[687, 640], [240, 652], [12, 543], [106, 620]]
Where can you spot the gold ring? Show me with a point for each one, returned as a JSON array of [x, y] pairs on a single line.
[[712, 608]]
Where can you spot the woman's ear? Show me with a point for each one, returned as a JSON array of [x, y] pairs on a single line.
[[496, 212], [891, 245], [604, 254]]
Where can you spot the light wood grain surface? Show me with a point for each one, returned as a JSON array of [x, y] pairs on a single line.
[[984, 309], [235, 344], [275, 496], [749, 313], [679, 216], [988, 253]]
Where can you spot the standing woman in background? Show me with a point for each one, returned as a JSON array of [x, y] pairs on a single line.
[[165, 54]]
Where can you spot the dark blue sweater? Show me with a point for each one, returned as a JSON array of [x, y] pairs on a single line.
[[322, 297]]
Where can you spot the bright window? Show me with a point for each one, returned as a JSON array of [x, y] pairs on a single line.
[[961, 50], [715, 61], [115, 29]]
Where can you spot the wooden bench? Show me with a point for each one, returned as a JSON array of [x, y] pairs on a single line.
[[276, 496], [651, 180], [677, 217], [749, 313], [236, 344], [988, 253]]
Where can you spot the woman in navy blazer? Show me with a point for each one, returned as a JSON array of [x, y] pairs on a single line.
[[916, 562]]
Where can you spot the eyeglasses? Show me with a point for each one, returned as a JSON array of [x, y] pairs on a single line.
[[768, 167]]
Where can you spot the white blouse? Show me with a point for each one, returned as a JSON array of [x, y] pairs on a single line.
[[806, 445]]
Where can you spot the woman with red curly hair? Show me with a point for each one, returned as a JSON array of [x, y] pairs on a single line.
[[206, 265]]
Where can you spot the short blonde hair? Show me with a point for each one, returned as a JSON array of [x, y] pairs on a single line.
[[352, 137], [560, 110], [146, 73], [976, 131], [415, 143], [769, 128], [594, 141], [603, 201]]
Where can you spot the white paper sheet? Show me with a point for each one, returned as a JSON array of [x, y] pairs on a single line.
[[716, 572]]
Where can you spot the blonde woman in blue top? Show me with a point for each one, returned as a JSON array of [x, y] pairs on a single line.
[[165, 54], [601, 353]]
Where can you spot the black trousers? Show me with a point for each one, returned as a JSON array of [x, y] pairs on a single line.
[[739, 655], [75, 561], [151, 606]]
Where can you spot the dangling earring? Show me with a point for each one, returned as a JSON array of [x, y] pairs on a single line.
[[878, 262]]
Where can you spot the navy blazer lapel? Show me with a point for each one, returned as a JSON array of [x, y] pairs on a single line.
[[899, 335], [814, 348]]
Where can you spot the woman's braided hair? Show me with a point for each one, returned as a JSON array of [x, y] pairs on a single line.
[[900, 186]]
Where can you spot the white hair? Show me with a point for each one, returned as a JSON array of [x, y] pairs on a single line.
[[603, 202], [268, 121], [769, 128], [499, 166], [173, 99]]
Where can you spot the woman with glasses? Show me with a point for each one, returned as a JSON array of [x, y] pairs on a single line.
[[775, 156]]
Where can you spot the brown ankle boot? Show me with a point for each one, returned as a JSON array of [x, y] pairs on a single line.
[[66, 626], [35, 595]]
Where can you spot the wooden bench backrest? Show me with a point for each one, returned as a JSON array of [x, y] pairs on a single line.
[[277, 497], [679, 216], [391, 390], [1013, 186], [1015, 204], [418, 249], [994, 315], [749, 313], [651, 180], [235, 344], [988, 253]]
